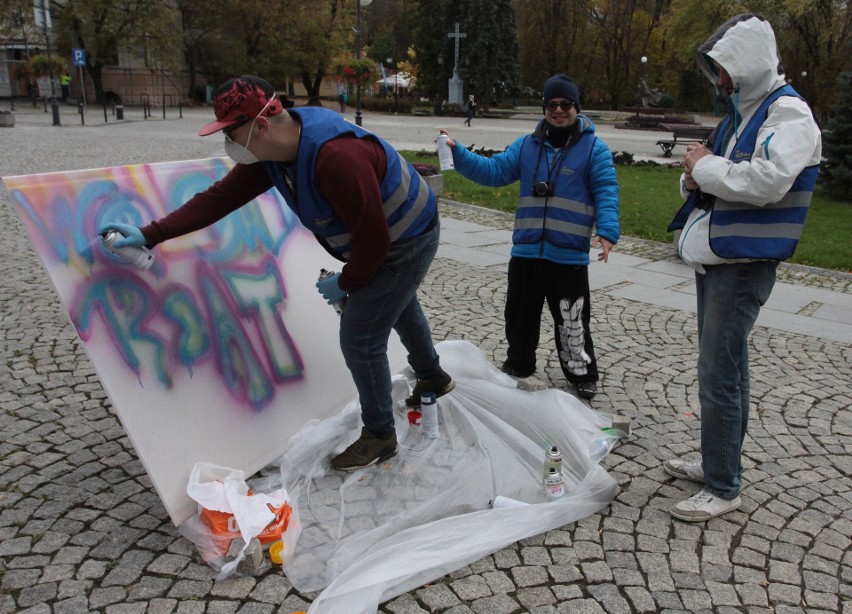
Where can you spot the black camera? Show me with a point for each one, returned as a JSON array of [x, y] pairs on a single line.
[[542, 188]]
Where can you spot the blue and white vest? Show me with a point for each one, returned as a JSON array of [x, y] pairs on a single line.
[[566, 218], [740, 230], [410, 206]]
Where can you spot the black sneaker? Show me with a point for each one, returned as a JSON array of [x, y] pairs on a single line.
[[367, 450], [441, 385], [587, 390], [509, 370]]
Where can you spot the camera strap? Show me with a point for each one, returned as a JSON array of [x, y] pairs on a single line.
[[558, 156]]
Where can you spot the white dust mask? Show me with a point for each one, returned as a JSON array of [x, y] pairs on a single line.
[[240, 153]]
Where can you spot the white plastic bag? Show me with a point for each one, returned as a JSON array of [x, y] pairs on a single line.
[[370, 535], [222, 489]]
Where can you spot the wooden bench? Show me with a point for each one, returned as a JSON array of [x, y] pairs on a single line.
[[682, 135]]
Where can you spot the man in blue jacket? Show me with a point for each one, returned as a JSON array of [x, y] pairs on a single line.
[[568, 203]]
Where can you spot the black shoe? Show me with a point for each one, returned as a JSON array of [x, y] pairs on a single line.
[[440, 385], [587, 390], [508, 370], [367, 450]]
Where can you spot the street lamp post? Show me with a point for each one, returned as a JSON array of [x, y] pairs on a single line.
[[358, 6], [395, 86]]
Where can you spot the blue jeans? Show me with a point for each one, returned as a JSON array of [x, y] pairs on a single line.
[[389, 301], [729, 299]]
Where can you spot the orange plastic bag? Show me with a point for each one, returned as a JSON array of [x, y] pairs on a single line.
[[224, 524]]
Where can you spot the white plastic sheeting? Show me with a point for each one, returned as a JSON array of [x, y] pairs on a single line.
[[373, 534]]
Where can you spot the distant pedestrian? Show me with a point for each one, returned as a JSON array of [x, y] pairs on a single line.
[[343, 99], [470, 106], [65, 84]]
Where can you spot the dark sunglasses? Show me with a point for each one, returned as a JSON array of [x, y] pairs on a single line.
[[565, 106]]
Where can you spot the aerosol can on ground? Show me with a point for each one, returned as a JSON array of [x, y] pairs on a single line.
[[552, 459], [554, 488]]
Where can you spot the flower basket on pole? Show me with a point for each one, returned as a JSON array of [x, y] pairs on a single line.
[[354, 70]]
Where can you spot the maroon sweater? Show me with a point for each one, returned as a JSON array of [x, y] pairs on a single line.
[[349, 173]]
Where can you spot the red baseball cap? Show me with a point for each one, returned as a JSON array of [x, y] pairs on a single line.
[[239, 100]]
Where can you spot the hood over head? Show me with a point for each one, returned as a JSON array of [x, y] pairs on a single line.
[[745, 47]]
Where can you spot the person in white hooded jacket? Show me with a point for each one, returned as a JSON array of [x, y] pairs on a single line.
[[747, 194]]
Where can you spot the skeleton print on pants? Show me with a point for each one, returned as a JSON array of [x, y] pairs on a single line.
[[573, 355]]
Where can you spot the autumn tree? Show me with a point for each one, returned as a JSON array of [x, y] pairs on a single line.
[[837, 141], [101, 27], [434, 50], [551, 32], [488, 61]]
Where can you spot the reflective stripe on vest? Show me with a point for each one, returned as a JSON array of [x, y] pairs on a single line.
[[341, 242], [409, 205], [565, 219]]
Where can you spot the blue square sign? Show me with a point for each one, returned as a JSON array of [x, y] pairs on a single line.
[[79, 56]]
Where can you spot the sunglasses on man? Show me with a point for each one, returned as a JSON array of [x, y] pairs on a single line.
[[565, 105]]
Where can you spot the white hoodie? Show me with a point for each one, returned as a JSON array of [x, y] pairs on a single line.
[[788, 141]]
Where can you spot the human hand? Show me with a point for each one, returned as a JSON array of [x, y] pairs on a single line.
[[688, 182], [330, 290], [605, 245], [131, 235], [450, 140], [694, 152]]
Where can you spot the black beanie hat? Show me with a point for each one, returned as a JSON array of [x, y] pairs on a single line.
[[560, 86]]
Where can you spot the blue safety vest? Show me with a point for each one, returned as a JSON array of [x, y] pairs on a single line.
[[566, 218], [741, 230], [410, 206]]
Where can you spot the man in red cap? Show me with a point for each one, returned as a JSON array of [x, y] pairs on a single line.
[[364, 203]]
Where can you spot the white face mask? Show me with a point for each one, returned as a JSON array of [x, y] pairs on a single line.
[[239, 153]]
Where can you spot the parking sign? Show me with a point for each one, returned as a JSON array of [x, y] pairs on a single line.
[[79, 56]]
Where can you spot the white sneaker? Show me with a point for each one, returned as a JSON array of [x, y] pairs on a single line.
[[703, 506], [684, 470]]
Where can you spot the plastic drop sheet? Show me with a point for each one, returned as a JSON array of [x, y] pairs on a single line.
[[373, 534]]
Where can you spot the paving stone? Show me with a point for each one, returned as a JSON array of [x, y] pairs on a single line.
[[529, 576], [534, 597], [40, 593], [102, 597], [472, 587], [167, 606], [404, 604], [499, 582], [73, 605], [498, 604], [438, 596], [581, 606]]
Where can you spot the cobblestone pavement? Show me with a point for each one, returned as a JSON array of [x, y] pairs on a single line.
[[81, 529]]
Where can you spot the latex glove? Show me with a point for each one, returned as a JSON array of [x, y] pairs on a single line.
[[329, 289], [133, 237]]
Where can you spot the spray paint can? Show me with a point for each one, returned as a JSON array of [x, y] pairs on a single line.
[[552, 460], [554, 488], [429, 410], [339, 305], [445, 153], [140, 257]]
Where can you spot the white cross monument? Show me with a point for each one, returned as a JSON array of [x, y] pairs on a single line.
[[456, 84]]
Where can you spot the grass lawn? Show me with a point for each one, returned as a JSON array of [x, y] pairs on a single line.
[[649, 199]]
